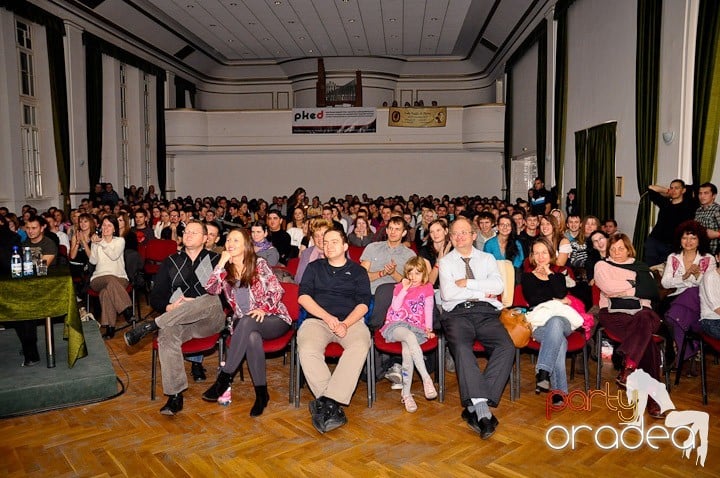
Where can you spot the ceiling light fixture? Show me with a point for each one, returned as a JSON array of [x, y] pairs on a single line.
[[278, 2], [352, 20], [301, 38], [310, 50], [392, 20], [433, 19]]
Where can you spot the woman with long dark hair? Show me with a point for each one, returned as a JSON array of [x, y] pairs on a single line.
[[506, 245], [254, 294]]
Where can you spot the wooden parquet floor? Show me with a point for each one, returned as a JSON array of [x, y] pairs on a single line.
[[126, 436]]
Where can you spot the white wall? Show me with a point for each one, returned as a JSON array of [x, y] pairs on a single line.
[[601, 88], [254, 153], [524, 94]]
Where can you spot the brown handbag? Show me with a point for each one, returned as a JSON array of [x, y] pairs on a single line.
[[517, 326]]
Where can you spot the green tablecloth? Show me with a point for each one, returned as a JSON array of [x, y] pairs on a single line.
[[39, 297]]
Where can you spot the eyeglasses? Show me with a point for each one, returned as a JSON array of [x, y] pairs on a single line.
[[461, 233], [193, 233]]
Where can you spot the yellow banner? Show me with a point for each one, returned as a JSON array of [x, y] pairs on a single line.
[[418, 117]]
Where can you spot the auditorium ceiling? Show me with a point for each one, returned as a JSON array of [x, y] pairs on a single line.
[[200, 33]]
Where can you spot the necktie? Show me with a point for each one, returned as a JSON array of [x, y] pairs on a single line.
[[468, 272]]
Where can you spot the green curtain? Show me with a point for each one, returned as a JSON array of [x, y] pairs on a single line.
[[508, 132], [581, 170], [94, 108], [706, 101], [647, 87], [54, 32], [595, 170], [561, 81], [541, 105]]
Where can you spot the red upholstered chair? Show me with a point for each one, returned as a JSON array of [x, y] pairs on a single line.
[[154, 253], [280, 344], [704, 340], [576, 343], [292, 266], [192, 346], [603, 334], [354, 252]]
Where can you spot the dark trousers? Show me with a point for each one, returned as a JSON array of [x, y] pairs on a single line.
[[27, 333], [635, 332], [656, 252], [462, 327]]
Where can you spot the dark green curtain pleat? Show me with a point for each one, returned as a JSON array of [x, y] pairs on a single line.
[[595, 170], [181, 86], [581, 171], [94, 108], [601, 142], [541, 105], [54, 31], [161, 145], [706, 101], [508, 132], [561, 80], [647, 87], [59, 100]]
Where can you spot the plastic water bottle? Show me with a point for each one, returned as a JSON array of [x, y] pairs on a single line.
[[16, 264], [27, 264]]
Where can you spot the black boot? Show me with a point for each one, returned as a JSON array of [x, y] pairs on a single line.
[[218, 388], [109, 332], [542, 381], [135, 335], [261, 400], [173, 405]]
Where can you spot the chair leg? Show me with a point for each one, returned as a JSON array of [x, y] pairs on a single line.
[[665, 365], [368, 370], [441, 368], [678, 372], [371, 373], [153, 374], [291, 379], [598, 348], [703, 372], [572, 366], [586, 368], [298, 383]]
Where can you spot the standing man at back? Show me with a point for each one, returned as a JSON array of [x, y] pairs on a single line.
[[675, 209], [708, 214]]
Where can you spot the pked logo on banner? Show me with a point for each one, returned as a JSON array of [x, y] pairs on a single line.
[[692, 425]]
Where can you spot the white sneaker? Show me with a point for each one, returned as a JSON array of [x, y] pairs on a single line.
[[396, 386], [394, 374]]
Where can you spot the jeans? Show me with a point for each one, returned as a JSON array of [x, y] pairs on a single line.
[[553, 347], [711, 327]]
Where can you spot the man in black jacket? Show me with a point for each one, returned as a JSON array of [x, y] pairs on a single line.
[[189, 311]]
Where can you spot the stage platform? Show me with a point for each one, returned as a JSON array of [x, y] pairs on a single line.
[[36, 389]]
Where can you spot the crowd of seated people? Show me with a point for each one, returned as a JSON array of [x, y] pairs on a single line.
[[581, 252]]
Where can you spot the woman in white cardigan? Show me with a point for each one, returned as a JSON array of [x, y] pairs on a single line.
[[109, 279]]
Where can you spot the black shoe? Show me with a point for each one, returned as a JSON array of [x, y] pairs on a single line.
[[30, 363], [557, 400], [333, 416], [315, 407], [542, 381], [198, 372], [261, 400], [173, 405], [484, 427], [128, 314], [136, 335], [218, 388], [109, 332]]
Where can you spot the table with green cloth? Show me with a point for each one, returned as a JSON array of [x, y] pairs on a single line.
[[32, 298]]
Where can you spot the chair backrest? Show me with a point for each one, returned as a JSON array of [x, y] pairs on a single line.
[[383, 299], [290, 299], [292, 265], [507, 271], [355, 252], [519, 299], [158, 250]]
